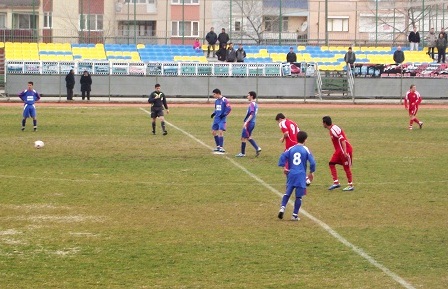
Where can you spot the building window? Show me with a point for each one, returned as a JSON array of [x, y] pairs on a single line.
[[338, 24], [142, 28], [272, 24], [237, 26], [2, 20], [92, 22], [48, 20], [189, 28], [186, 2], [24, 21]]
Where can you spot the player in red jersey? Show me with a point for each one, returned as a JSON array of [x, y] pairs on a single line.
[[411, 102], [289, 130], [343, 154]]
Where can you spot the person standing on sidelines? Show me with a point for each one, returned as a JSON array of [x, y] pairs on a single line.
[[29, 96], [249, 125], [289, 130], [157, 100], [219, 115], [411, 102], [86, 85], [70, 84], [297, 156], [343, 154]]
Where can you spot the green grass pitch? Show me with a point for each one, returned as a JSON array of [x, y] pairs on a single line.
[[105, 204]]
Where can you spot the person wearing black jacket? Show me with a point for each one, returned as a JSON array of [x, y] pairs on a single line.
[[70, 84], [86, 85], [399, 56], [441, 44], [414, 39], [157, 100], [223, 38], [211, 38], [291, 56]]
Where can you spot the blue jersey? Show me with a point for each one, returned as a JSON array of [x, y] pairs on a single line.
[[222, 109], [252, 110], [297, 158], [29, 96]]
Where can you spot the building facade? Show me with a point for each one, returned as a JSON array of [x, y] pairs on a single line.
[[317, 22]]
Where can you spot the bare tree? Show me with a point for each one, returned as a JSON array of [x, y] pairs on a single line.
[[252, 15], [402, 16]]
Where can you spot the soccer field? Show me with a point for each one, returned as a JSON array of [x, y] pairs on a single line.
[[106, 204]]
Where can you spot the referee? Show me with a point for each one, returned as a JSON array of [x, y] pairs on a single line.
[[157, 100]]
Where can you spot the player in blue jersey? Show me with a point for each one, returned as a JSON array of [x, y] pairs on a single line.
[[297, 157], [222, 109], [29, 96], [249, 125]]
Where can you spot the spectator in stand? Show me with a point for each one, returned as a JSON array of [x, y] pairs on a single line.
[[399, 56], [197, 45], [414, 39], [230, 53], [444, 33], [441, 48], [291, 56], [240, 53], [431, 39], [221, 53], [350, 58], [223, 38], [211, 38]]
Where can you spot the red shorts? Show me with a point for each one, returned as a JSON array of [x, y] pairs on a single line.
[[413, 110], [340, 159]]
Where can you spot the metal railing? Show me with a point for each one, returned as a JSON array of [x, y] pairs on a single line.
[[351, 81], [318, 82]]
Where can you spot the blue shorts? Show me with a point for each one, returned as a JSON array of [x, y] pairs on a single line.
[[247, 131], [29, 110], [219, 125], [300, 192]]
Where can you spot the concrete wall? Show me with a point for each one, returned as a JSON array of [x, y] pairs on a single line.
[[137, 86], [397, 87], [270, 87]]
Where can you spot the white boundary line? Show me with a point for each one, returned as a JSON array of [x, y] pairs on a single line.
[[326, 227]]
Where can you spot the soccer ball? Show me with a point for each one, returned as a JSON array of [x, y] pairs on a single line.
[[39, 144]]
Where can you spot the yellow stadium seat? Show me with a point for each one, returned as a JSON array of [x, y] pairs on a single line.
[[140, 46], [264, 53], [202, 58]]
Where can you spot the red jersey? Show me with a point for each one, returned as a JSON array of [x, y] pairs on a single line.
[[337, 136], [412, 99], [291, 129]]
